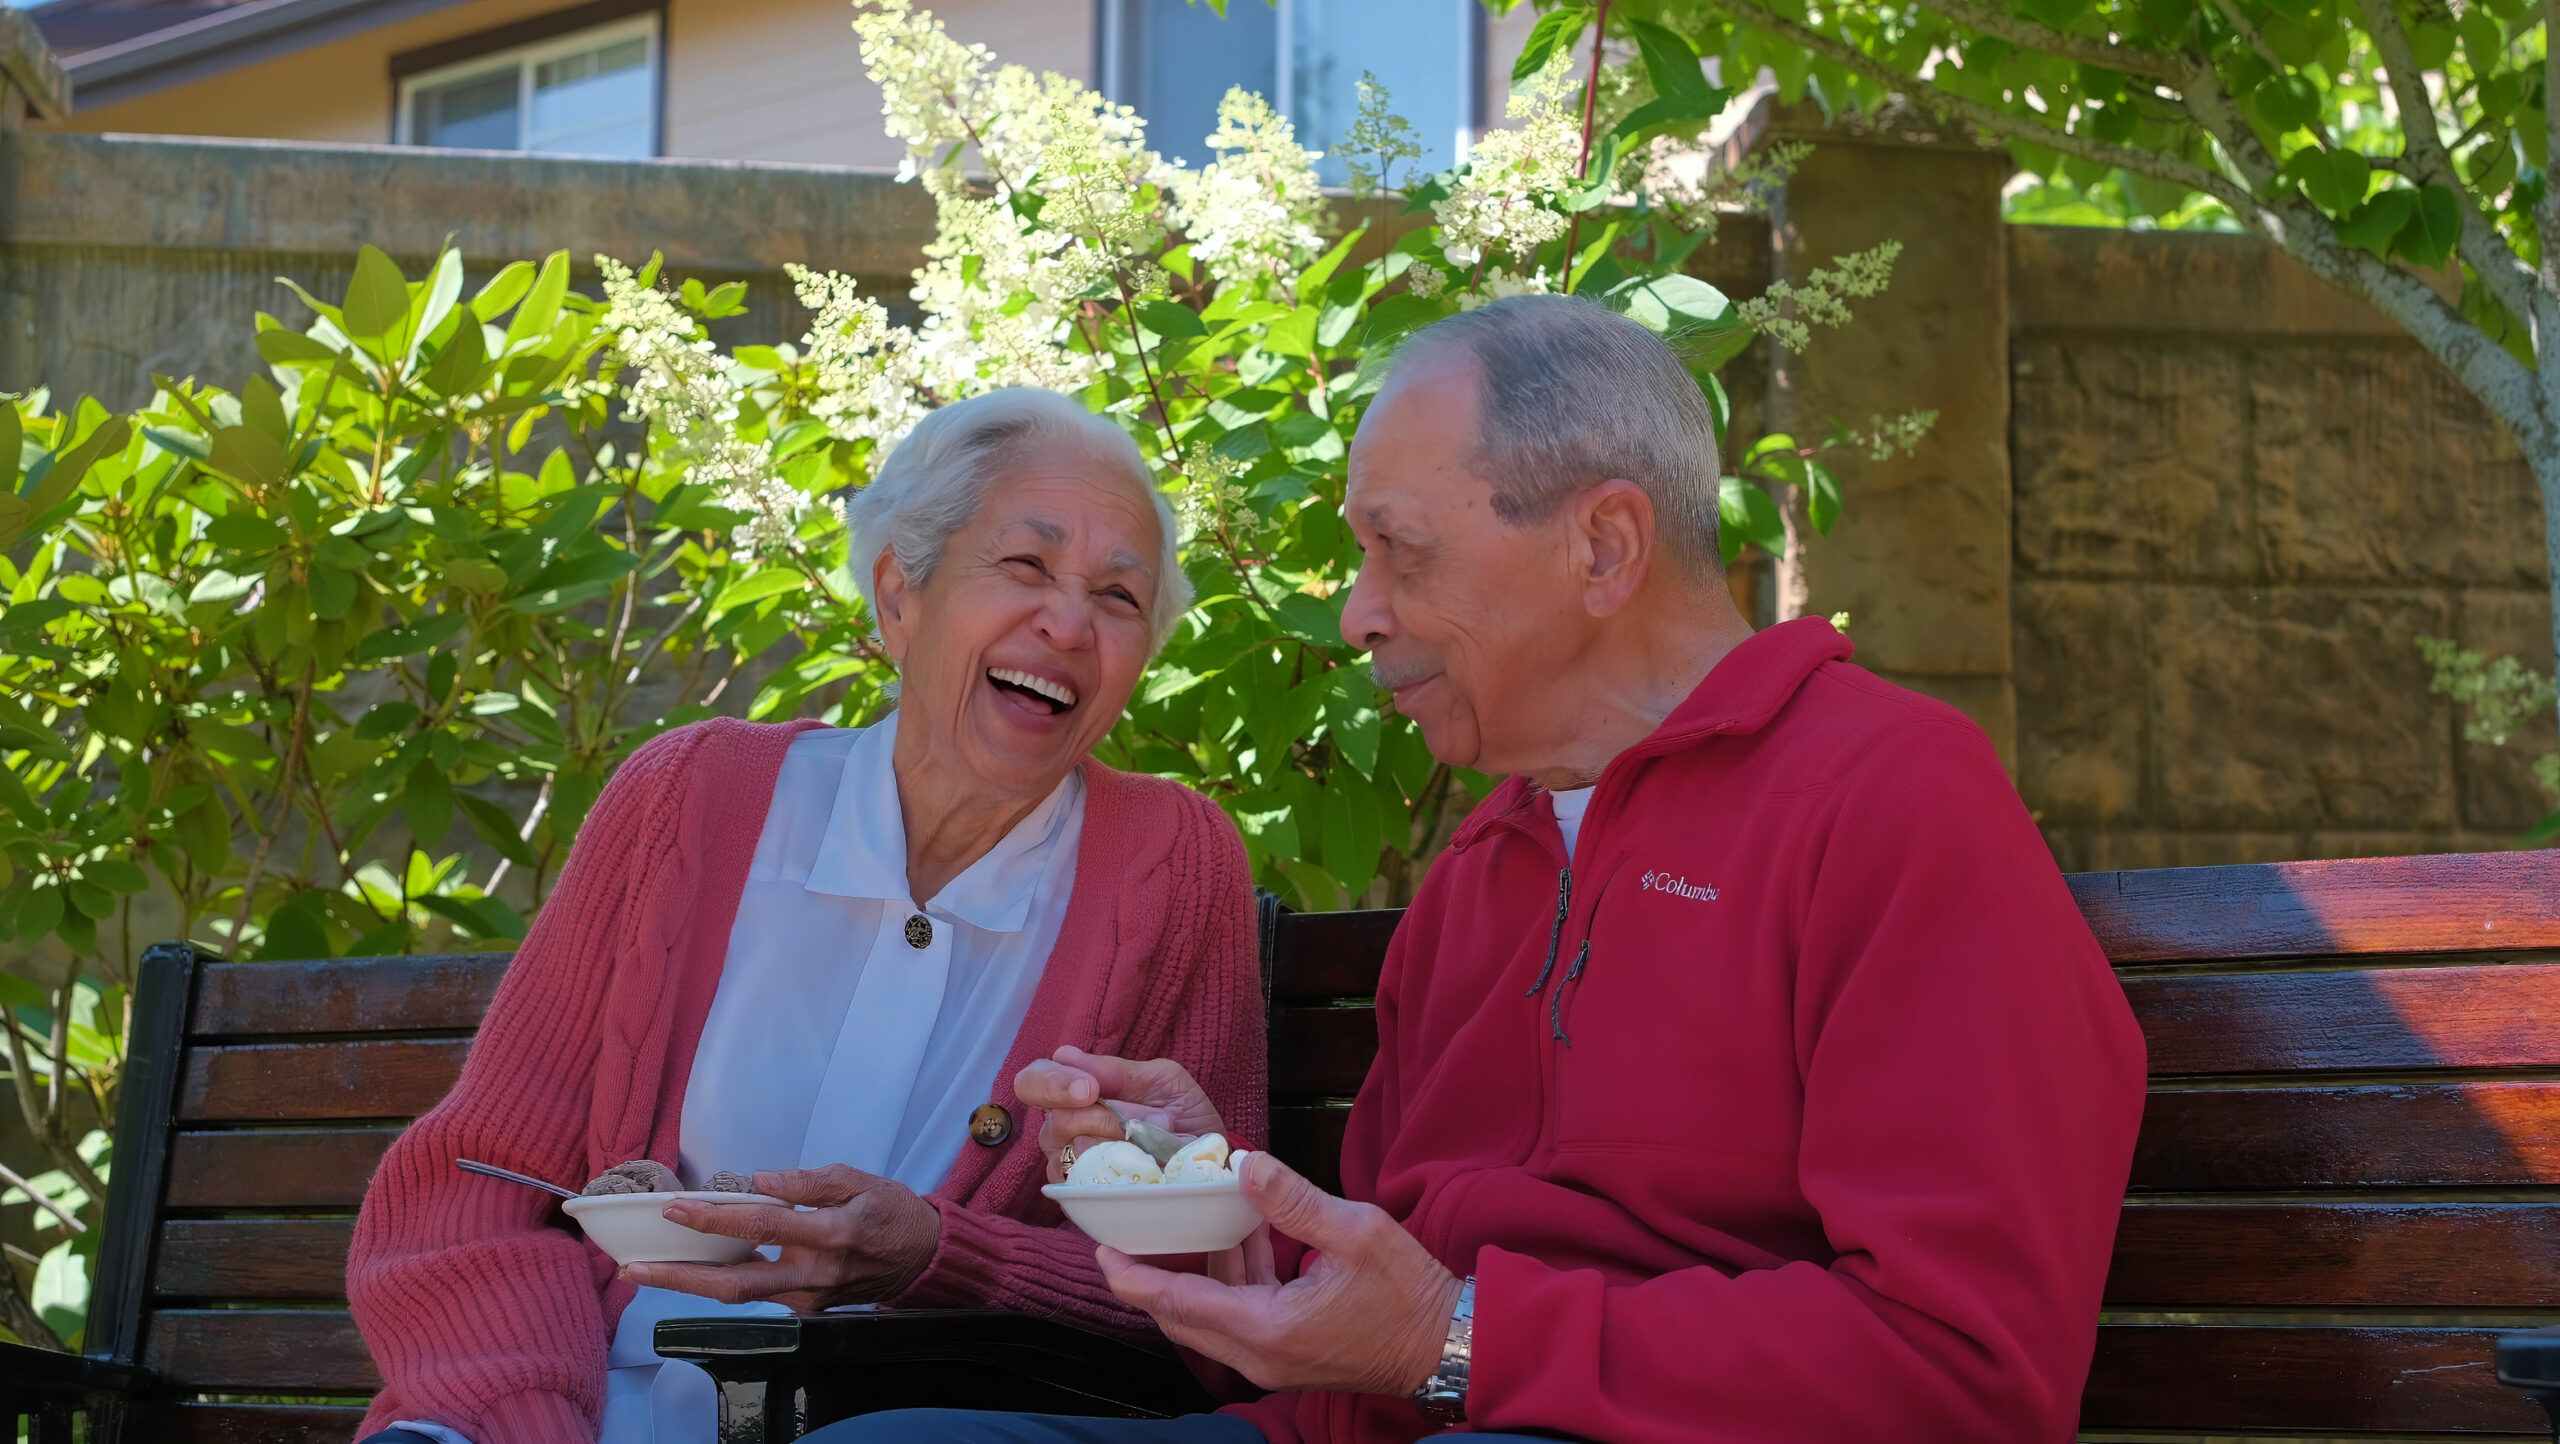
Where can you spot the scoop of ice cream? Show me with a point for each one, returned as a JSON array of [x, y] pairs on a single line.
[[640, 1175], [1202, 1160], [1114, 1162], [727, 1182]]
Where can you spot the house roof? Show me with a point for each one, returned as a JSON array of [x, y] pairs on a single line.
[[117, 49]]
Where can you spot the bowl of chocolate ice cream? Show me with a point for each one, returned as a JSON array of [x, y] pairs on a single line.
[[624, 1212]]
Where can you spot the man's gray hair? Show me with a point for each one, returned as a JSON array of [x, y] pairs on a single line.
[[1572, 394], [936, 479]]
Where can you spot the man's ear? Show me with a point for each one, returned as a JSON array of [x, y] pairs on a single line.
[[893, 601], [1616, 521]]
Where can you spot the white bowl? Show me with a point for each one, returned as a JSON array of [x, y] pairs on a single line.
[[1156, 1218], [634, 1228]]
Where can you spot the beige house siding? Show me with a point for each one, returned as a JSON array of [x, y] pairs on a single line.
[[775, 80], [745, 80]]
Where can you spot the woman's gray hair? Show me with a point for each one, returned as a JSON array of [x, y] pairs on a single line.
[[936, 479]]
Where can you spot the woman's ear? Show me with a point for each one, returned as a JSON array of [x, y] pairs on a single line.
[[893, 605]]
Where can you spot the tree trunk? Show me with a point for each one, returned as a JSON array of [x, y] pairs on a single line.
[[1794, 588], [2545, 462]]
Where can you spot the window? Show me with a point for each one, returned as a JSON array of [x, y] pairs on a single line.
[[591, 92], [1174, 61]]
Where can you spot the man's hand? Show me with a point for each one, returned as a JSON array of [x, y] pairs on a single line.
[[1069, 1087], [862, 1238], [1369, 1314]]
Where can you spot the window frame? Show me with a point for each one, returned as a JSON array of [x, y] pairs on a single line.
[[527, 44], [1115, 66]]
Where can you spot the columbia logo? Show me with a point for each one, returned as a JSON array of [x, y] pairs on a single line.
[[1678, 887]]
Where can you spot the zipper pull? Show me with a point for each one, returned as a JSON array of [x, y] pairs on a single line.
[[1555, 1005], [1555, 937]]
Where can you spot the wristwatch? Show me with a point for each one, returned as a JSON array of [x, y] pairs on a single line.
[[1443, 1396]]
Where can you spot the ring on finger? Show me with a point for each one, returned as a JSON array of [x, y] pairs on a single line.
[[1067, 1156]]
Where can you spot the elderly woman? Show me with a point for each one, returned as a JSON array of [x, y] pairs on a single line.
[[822, 956]]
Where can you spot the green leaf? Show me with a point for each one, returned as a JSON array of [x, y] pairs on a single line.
[[13, 439], [1171, 320], [298, 928], [504, 290], [2334, 179], [542, 304], [2433, 227], [428, 631], [1558, 29], [60, 475], [90, 900], [1314, 277], [386, 719], [248, 455], [495, 828], [115, 875], [1698, 320], [377, 301], [1822, 496], [2379, 221], [756, 586], [1671, 63], [1748, 513], [333, 591], [2286, 102], [280, 347], [487, 918], [15, 517], [426, 804]]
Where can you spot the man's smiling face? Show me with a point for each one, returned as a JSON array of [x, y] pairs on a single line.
[[1466, 617]]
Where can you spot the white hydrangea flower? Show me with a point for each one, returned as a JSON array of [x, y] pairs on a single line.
[[1506, 201], [1256, 210], [866, 372], [1787, 313], [1498, 283]]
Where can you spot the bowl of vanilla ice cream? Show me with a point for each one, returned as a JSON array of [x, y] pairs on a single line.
[[1191, 1202], [624, 1211]]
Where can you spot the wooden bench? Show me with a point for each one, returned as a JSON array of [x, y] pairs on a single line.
[[2347, 1184]]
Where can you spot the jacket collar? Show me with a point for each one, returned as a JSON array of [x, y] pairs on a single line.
[[1742, 694]]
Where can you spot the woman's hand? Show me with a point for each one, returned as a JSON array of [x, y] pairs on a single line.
[[1070, 1084], [862, 1238]]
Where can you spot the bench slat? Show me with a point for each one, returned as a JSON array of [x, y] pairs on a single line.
[[2216, 1379], [1323, 956], [2420, 1135], [1321, 1052], [275, 1167], [2337, 1256], [346, 995], [259, 1351], [264, 1423], [1309, 1139], [2362, 1020], [292, 1082], [2367, 906], [253, 1258]]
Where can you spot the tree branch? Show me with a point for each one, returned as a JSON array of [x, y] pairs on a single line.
[[1989, 118], [2500, 269], [2028, 34]]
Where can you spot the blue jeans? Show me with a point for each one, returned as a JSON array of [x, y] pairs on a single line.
[[929, 1426]]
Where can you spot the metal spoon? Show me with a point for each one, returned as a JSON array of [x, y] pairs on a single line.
[[1160, 1144], [491, 1170]]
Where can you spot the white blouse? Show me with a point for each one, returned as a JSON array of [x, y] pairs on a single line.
[[834, 1037]]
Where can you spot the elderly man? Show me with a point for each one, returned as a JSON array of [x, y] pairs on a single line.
[[1745, 1070]]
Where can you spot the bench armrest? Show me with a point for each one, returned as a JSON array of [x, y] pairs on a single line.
[[780, 1377], [2529, 1359]]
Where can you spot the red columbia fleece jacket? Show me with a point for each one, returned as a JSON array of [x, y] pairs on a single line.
[[1798, 1108]]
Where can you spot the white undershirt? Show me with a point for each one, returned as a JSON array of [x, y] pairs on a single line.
[[830, 1039], [1569, 809]]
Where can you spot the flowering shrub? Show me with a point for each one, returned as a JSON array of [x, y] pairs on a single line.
[[336, 662]]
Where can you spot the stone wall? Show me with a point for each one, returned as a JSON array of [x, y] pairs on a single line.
[[126, 256], [2183, 513], [2239, 499]]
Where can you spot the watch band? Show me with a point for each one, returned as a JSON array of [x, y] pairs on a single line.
[[1443, 1396]]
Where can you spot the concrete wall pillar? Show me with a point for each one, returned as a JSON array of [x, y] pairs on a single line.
[[1920, 558]]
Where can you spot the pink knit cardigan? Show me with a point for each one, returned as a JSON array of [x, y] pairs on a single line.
[[487, 1314]]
